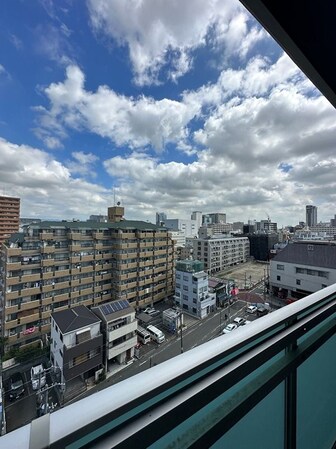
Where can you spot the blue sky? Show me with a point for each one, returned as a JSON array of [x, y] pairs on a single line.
[[170, 106]]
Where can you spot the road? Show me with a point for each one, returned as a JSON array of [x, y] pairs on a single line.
[[194, 335]]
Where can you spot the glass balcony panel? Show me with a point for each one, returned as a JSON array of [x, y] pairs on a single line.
[[316, 399]]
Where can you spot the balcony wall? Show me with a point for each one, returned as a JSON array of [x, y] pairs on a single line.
[[270, 384]]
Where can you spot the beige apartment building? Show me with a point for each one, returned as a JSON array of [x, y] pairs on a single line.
[[220, 252], [9, 216], [57, 265]]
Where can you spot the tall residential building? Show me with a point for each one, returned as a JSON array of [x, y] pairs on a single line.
[[221, 252], [311, 215], [9, 216], [192, 289], [56, 265]]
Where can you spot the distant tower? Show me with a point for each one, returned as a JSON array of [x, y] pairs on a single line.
[[161, 217], [115, 213], [311, 215]]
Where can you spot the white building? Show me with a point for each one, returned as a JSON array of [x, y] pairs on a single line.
[[302, 268], [76, 343], [192, 289], [220, 252], [187, 226], [179, 238], [119, 328]]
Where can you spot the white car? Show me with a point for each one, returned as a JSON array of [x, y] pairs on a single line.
[[239, 321], [251, 309], [229, 328], [149, 310]]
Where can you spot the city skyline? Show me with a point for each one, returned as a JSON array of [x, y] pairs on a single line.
[[162, 106]]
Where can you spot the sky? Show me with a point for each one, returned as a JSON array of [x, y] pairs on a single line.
[[163, 105]]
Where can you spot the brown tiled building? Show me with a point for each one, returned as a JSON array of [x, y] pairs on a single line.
[[57, 265], [9, 216]]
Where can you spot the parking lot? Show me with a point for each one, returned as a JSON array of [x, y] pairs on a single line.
[[246, 275]]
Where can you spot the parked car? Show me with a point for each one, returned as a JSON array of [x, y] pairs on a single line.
[[239, 321], [149, 310], [229, 328], [251, 309], [261, 311], [16, 386], [38, 377]]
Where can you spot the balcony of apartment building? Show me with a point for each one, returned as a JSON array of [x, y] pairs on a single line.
[[270, 384]]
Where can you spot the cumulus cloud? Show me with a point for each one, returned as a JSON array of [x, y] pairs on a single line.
[[135, 122], [155, 30], [46, 186]]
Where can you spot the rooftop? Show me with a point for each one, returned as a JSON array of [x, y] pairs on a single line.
[[125, 224], [76, 318], [312, 254]]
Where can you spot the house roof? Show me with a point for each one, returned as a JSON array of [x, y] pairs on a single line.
[[114, 309], [76, 318], [312, 254]]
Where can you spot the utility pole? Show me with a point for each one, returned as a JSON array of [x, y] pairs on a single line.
[[181, 325], [245, 280], [264, 285]]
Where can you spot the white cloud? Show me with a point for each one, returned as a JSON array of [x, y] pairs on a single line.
[[45, 185], [135, 122], [154, 29]]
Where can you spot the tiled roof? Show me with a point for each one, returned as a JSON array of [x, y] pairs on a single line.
[[312, 254], [76, 318]]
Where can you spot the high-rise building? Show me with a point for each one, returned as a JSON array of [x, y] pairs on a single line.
[[53, 266], [9, 216], [161, 217], [311, 215]]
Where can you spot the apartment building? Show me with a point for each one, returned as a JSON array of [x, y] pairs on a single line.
[[76, 343], [192, 290], [9, 216], [221, 252], [57, 265], [119, 329]]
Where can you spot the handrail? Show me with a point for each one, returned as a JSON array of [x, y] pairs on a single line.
[[139, 393]]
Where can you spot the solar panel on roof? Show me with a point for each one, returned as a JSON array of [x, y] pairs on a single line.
[[105, 310]]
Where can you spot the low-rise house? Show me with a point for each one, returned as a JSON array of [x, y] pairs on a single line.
[[76, 343], [119, 328]]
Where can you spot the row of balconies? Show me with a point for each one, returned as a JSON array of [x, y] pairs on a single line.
[[21, 337]]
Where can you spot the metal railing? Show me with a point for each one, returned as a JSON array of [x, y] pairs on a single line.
[[199, 397]]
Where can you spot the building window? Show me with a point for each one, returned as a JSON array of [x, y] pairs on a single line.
[[185, 287], [298, 282], [278, 278], [185, 297], [194, 300], [185, 306], [194, 310], [280, 267]]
